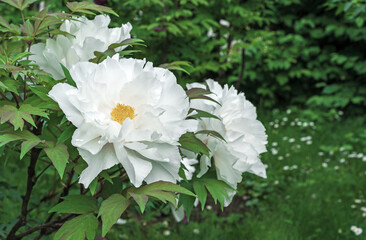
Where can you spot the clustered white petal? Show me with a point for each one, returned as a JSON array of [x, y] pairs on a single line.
[[126, 111], [244, 134], [86, 37]]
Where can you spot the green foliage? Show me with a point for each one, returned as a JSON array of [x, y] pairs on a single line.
[[164, 191], [59, 156], [79, 228], [77, 204], [111, 209]]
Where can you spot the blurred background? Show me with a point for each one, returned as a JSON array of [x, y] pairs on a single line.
[[303, 64]]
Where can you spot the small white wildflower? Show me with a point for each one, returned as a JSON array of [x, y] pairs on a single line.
[[364, 159], [285, 119], [309, 142], [291, 140], [274, 144], [358, 201], [224, 23], [360, 155], [363, 209], [311, 124], [320, 153], [292, 124], [276, 182], [288, 111], [284, 138], [166, 233], [336, 167], [299, 123], [286, 168], [196, 231], [324, 164], [274, 151], [294, 167], [209, 207], [353, 206], [276, 125], [305, 124], [280, 158], [342, 160], [288, 155]]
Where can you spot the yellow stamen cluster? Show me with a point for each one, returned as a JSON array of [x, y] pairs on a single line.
[[120, 112]]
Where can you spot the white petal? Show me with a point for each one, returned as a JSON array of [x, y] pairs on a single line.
[[66, 97], [104, 159]]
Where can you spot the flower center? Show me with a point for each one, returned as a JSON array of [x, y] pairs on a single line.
[[120, 112]]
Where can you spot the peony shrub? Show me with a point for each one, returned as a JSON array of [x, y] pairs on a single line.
[[122, 129]]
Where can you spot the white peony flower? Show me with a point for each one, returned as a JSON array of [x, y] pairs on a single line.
[[244, 134], [89, 36], [126, 111]]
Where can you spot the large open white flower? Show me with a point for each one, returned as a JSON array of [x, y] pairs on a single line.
[[244, 134], [88, 36], [126, 111]]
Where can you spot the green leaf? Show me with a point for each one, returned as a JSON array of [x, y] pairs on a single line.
[[200, 190], [6, 138], [186, 200], [201, 114], [59, 156], [194, 92], [127, 42], [68, 76], [26, 108], [86, 7], [111, 209], [13, 3], [26, 3], [10, 85], [66, 134], [77, 204], [28, 145], [78, 228], [190, 142], [212, 133], [93, 186], [140, 199], [160, 190], [217, 189]]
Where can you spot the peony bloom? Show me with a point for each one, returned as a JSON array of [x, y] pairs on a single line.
[[88, 36], [126, 111], [244, 134]]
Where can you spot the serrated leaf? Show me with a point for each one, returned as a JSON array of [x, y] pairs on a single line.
[[79, 228], [217, 189], [77, 204], [111, 209], [200, 190], [59, 156], [68, 75]]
